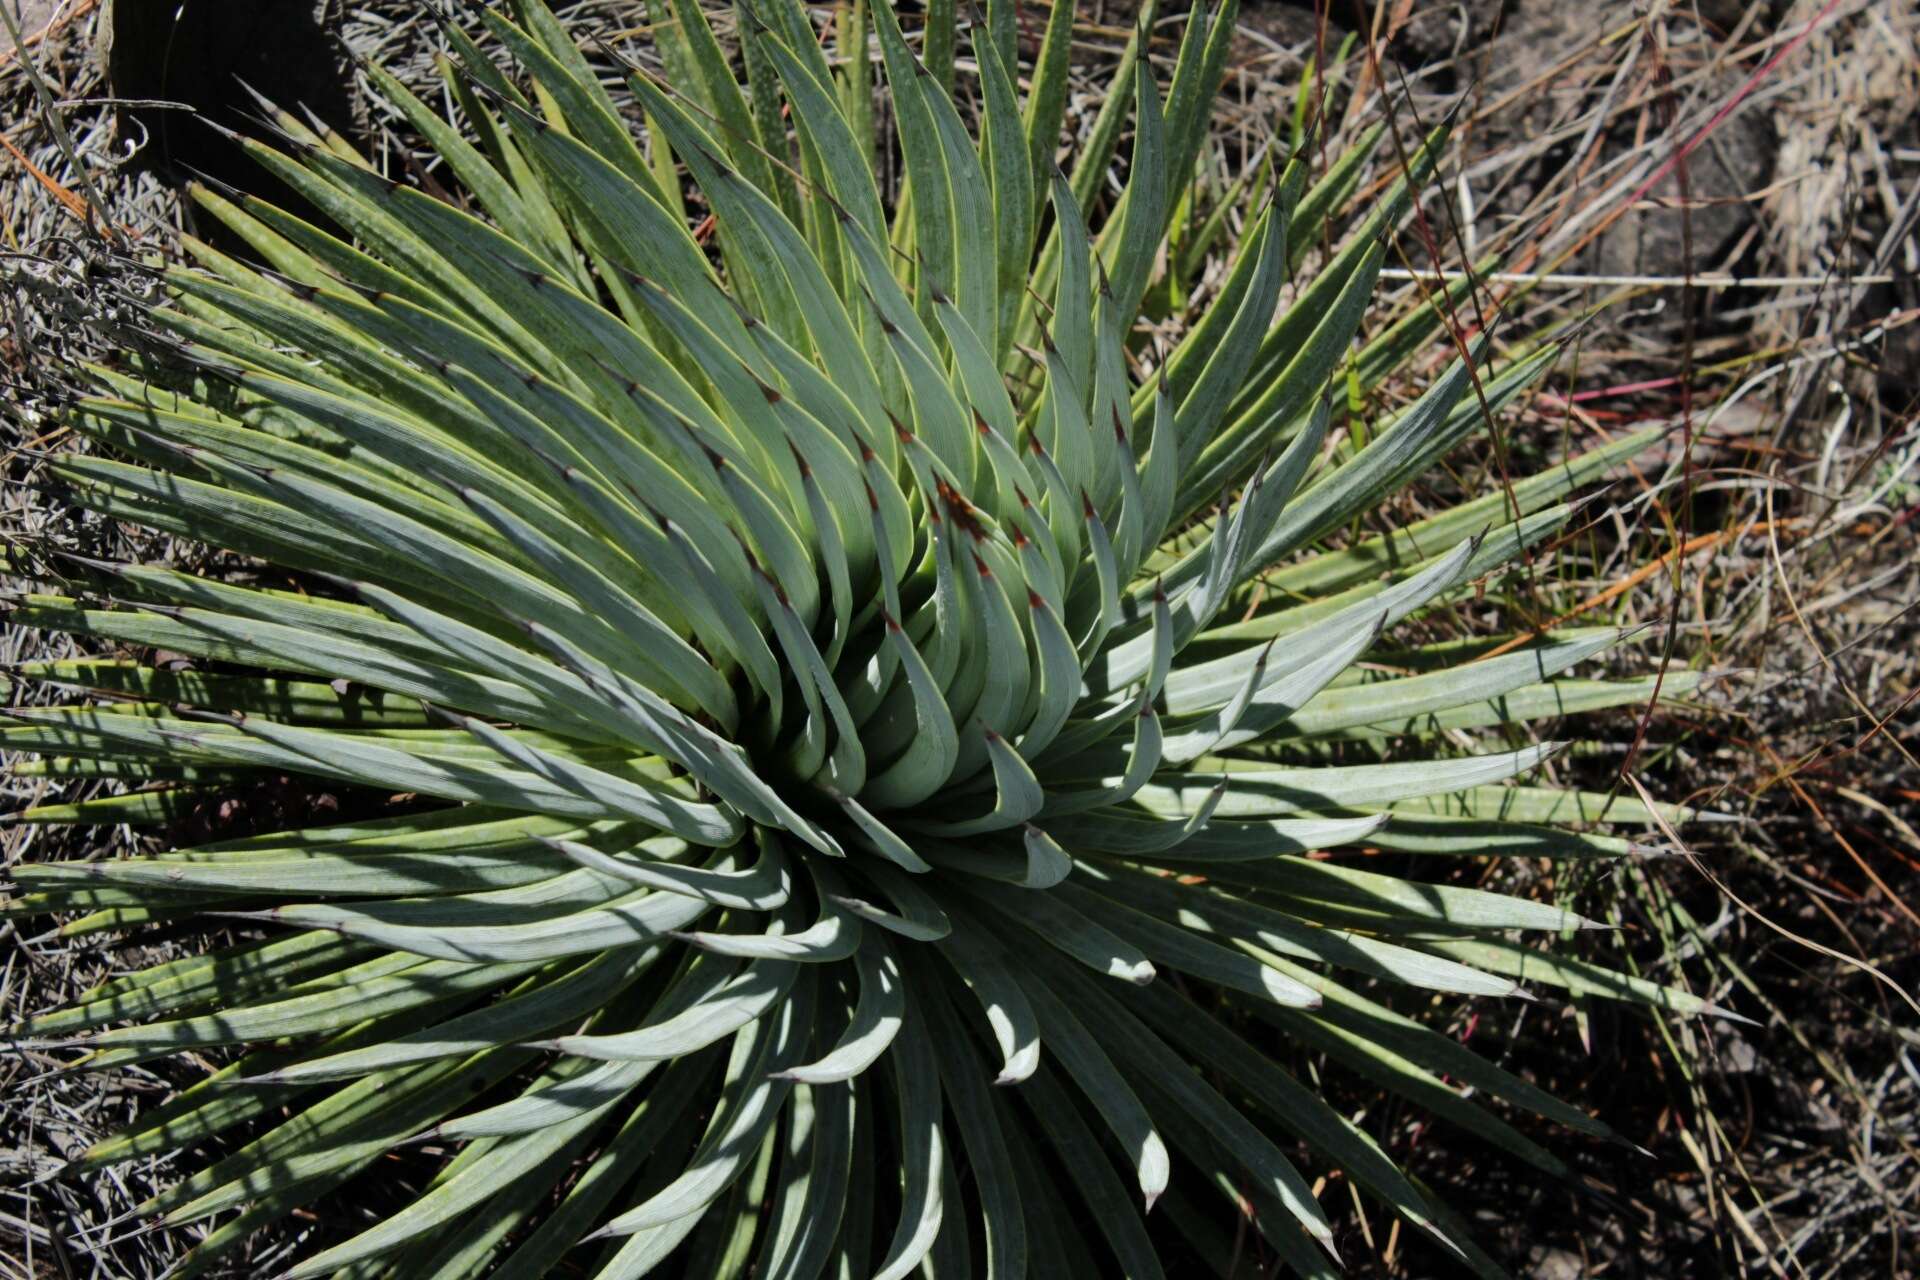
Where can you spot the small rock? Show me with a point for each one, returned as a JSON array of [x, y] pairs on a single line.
[[1556, 1264], [1733, 164], [1737, 1055]]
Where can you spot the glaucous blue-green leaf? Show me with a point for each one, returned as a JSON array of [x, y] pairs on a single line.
[[870, 728]]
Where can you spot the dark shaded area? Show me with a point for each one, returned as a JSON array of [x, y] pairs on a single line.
[[205, 54]]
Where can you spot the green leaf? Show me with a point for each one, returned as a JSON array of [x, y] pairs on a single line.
[[750, 1101], [923, 1158], [876, 1019]]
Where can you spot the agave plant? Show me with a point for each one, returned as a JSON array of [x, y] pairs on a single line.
[[810, 661]]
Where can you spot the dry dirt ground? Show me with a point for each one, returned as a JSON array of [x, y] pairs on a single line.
[[1737, 185]]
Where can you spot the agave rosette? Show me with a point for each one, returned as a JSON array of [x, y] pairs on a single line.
[[835, 667]]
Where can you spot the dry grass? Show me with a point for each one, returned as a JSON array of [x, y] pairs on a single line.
[[1776, 542], [1767, 316]]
